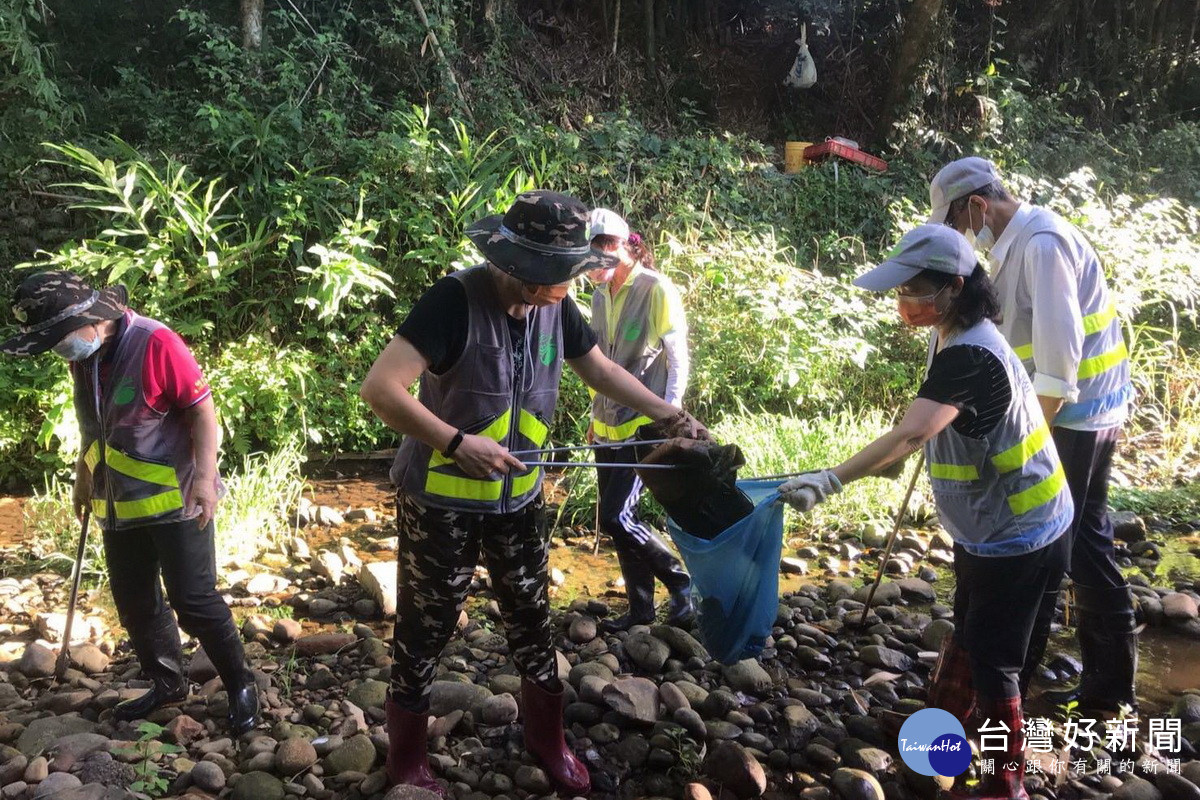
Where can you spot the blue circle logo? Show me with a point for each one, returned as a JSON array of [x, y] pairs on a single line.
[[933, 742]]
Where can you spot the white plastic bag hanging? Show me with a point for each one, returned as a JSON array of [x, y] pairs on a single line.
[[804, 70]]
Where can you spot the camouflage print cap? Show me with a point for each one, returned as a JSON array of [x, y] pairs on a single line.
[[49, 305], [542, 239]]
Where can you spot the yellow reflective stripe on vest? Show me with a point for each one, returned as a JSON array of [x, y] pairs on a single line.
[[1039, 494], [141, 470], [151, 506], [618, 433], [495, 431], [1094, 323], [92, 457], [1091, 367], [440, 483], [533, 428], [1019, 454], [953, 472], [526, 483], [1024, 352]]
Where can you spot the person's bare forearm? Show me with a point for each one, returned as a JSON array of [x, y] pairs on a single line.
[[891, 448], [403, 413], [1050, 407], [616, 384], [206, 438]]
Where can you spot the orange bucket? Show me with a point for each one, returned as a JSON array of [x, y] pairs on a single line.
[[793, 156]]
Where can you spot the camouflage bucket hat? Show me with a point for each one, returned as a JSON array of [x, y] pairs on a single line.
[[542, 239], [50, 305]]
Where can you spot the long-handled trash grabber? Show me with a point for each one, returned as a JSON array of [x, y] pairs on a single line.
[[887, 551], [601, 465], [596, 542], [64, 653], [596, 446]]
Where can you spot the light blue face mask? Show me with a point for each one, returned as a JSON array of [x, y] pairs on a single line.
[[76, 348]]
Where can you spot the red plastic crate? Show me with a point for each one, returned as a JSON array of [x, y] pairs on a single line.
[[822, 151]]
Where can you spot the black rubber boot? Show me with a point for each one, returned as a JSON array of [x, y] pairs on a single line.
[[667, 568], [228, 657], [1038, 638], [639, 588], [161, 658], [1108, 647]]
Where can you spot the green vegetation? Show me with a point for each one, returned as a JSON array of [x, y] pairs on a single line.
[[150, 780], [283, 206]]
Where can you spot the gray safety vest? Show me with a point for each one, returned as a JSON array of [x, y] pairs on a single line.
[[149, 460], [1103, 376], [478, 395], [1004, 494], [623, 334]]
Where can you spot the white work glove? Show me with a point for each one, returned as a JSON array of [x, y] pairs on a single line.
[[805, 491]]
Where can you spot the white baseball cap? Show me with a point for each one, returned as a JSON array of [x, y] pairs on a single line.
[[608, 223], [937, 247], [958, 179]]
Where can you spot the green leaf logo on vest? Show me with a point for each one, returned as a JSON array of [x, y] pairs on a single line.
[[546, 349], [633, 329], [125, 392]]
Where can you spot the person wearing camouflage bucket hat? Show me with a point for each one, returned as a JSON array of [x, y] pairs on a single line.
[[488, 345], [147, 471]]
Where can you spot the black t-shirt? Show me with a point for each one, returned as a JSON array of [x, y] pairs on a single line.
[[437, 327], [972, 379]]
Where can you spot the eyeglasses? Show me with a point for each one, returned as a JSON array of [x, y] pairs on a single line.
[[919, 298]]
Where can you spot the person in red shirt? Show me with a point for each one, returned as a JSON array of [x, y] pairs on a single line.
[[147, 471]]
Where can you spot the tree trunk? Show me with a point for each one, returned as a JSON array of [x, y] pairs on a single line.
[[916, 36], [648, 26], [252, 24], [616, 27]]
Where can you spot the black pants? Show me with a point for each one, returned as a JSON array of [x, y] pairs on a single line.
[[179, 556], [996, 604], [438, 551], [642, 555], [1087, 460]]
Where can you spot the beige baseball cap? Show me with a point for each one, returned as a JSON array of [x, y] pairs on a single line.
[[958, 179]]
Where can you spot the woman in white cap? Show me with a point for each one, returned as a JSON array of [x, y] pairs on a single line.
[[639, 323], [997, 483]]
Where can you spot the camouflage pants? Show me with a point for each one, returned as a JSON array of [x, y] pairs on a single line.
[[438, 551]]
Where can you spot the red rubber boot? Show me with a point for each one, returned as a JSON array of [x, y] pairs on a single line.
[[1007, 781], [544, 739], [950, 686], [408, 756]]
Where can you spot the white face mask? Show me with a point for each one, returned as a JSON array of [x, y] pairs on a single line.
[[982, 240], [77, 348]]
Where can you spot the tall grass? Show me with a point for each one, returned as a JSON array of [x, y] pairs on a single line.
[[251, 519]]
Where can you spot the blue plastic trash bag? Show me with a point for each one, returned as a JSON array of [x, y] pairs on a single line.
[[736, 576]]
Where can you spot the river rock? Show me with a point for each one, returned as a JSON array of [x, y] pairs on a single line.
[[1176, 787], [368, 694], [935, 632], [286, 630], [294, 756], [200, 667], [673, 697], [683, 645], [208, 776], [885, 658], [357, 754], [732, 766], [378, 580], [532, 779], [43, 732], [747, 676], [407, 792], [88, 658], [1187, 708], [447, 696], [648, 652], [854, 784], [1179, 607], [183, 730], [500, 709], [1135, 788], [1127, 526], [258, 786], [329, 565], [582, 630], [54, 784], [37, 661], [318, 644], [71, 749], [635, 699], [917, 590]]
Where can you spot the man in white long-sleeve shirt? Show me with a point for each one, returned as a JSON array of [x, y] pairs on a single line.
[[638, 319], [1060, 320]]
